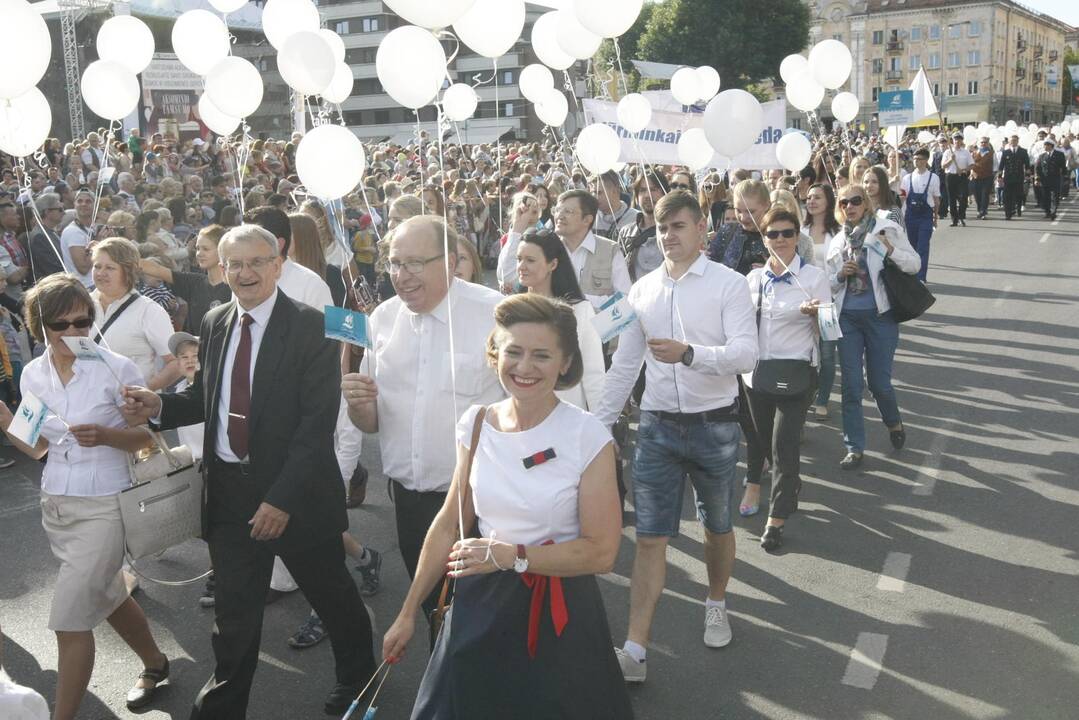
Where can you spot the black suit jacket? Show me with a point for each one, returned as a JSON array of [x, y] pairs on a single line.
[[1051, 166], [294, 401]]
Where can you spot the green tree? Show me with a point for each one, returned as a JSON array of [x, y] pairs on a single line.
[[627, 46], [745, 40]]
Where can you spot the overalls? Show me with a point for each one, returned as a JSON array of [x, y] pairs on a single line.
[[919, 221]]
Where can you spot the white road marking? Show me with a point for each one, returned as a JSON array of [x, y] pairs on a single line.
[[866, 659], [929, 473], [1046, 236], [893, 578], [1060, 216]]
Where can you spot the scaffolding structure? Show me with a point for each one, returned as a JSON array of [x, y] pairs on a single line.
[[71, 12]]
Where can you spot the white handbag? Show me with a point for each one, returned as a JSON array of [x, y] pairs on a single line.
[[163, 506]]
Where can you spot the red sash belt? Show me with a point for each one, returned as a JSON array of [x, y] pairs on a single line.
[[559, 614]]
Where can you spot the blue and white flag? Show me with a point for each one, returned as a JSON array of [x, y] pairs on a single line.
[[828, 322], [29, 419], [83, 348], [613, 317], [347, 326]]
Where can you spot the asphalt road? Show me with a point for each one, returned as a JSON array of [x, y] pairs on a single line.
[[937, 582]]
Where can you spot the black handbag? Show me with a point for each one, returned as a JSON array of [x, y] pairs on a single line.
[[909, 297], [781, 377]]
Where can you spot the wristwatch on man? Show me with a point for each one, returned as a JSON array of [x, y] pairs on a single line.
[[687, 356], [521, 563]]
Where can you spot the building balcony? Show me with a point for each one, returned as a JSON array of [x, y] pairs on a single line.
[[1037, 77], [893, 75], [1020, 45], [1053, 55], [895, 46], [1038, 51], [1020, 73]]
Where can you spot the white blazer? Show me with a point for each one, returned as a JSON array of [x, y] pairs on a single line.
[[589, 392], [904, 256]]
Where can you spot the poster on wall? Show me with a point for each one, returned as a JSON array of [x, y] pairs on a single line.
[[170, 98]]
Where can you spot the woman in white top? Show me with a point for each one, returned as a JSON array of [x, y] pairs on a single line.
[[544, 267], [87, 441], [130, 324], [786, 293], [821, 226], [542, 488]]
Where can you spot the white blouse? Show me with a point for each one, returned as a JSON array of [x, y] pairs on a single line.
[[92, 396], [588, 393], [532, 506], [141, 333]]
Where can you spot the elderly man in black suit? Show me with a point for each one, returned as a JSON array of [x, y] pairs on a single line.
[[1049, 172], [1014, 163], [268, 390]]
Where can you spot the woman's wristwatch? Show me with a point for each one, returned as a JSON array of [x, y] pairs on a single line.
[[521, 563]]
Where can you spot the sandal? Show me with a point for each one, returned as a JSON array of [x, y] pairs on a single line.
[[138, 697]]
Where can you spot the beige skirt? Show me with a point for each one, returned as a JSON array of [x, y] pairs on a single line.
[[87, 537]]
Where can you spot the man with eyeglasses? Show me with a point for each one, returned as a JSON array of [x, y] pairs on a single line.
[[601, 268], [410, 389], [268, 393]]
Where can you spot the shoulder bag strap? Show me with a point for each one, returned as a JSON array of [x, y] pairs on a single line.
[[111, 320], [463, 486]]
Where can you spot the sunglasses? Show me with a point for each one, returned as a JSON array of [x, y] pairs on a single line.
[[786, 234], [855, 201], [61, 325]]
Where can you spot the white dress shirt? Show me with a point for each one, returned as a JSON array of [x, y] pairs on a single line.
[[587, 394], [785, 332], [955, 161], [411, 362], [708, 308], [140, 333], [92, 396], [619, 271], [304, 286]]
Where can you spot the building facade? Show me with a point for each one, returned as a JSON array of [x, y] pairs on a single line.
[[985, 61]]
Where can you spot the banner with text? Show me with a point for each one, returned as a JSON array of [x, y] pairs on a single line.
[[658, 143], [170, 97]]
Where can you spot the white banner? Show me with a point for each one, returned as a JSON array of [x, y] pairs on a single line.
[[658, 143]]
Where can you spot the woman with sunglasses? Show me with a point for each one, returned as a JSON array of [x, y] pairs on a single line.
[[870, 333], [820, 227], [786, 293], [87, 442]]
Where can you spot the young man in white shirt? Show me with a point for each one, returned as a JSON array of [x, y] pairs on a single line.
[[410, 389], [957, 162], [77, 236], [921, 192], [695, 333]]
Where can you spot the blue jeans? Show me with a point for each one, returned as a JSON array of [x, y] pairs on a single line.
[[920, 232], [872, 337], [826, 378], [666, 451]]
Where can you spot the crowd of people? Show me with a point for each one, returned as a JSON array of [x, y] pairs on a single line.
[[501, 412]]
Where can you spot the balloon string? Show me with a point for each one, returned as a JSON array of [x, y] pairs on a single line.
[[786, 268], [104, 166], [621, 72], [501, 224], [419, 161]]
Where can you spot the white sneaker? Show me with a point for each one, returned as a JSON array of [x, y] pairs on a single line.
[[632, 671], [717, 627]]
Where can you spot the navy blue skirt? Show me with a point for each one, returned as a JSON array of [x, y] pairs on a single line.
[[481, 667]]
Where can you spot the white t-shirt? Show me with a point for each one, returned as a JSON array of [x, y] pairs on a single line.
[[75, 235], [532, 506], [921, 182]]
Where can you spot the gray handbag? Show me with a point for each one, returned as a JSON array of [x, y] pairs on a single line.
[[163, 506]]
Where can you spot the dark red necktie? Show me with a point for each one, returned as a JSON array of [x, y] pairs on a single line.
[[240, 398]]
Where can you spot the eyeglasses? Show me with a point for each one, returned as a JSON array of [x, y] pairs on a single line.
[[855, 201], [414, 267], [61, 325], [787, 234], [679, 186], [562, 210], [257, 264]]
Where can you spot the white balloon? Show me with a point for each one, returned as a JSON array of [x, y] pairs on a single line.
[[791, 66], [459, 102], [686, 86], [200, 40], [109, 89], [805, 93], [491, 27], [306, 63], [411, 66], [708, 79], [598, 148], [337, 45], [340, 87], [214, 119], [27, 47], [634, 112], [235, 87], [227, 6], [126, 40], [431, 14], [573, 38], [552, 107], [831, 63], [1010, 125], [733, 122], [694, 150], [1033, 127], [535, 80], [283, 18], [845, 106], [925, 137], [607, 18], [545, 42], [793, 151], [25, 122], [330, 161]]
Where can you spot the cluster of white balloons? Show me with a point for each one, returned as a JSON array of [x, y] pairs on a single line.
[[690, 85], [125, 47], [25, 116], [733, 121], [827, 68]]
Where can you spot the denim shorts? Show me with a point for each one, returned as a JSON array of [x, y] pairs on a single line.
[[666, 452]]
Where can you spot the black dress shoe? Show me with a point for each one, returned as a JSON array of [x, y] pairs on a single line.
[[898, 437], [772, 538], [851, 461], [357, 487], [963, 223], [955, 223], [140, 697], [340, 698]]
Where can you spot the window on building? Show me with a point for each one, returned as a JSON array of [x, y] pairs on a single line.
[[934, 32], [895, 64], [876, 94], [360, 56], [953, 59], [341, 27], [936, 89], [878, 65], [955, 31], [382, 117], [916, 34], [838, 36], [371, 24], [934, 61], [915, 62], [974, 57], [975, 28], [953, 89], [368, 86], [507, 110], [972, 87], [878, 37], [508, 77]]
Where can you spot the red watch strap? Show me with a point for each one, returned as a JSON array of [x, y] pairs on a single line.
[[521, 552]]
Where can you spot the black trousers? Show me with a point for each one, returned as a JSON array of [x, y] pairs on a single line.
[[1050, 196], [778, 421], [943, 178], [415, 511], [756, 452], [1013, 198], [242, 569], [958, 192]]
